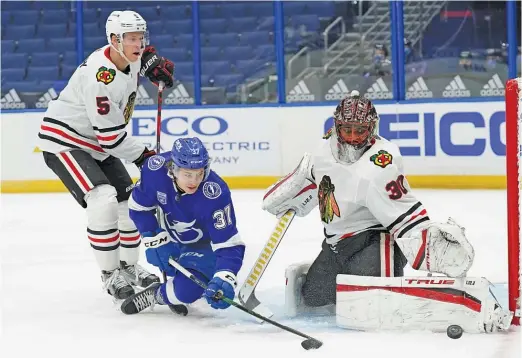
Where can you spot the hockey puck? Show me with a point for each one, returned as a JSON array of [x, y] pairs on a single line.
[[311, 343], [454, 331]]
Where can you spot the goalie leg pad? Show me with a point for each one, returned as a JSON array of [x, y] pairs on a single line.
[[294, 301], [418, 303], [102, 226]]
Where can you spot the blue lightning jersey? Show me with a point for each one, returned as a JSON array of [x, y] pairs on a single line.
[[204, 218]]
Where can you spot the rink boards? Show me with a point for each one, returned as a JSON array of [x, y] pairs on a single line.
[[445, 145]]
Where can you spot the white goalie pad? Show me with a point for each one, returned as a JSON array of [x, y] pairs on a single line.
[[441, 248], [294, 304], [297, 191], [418, 303]]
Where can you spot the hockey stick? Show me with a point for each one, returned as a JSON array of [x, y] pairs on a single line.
[[247, 295], [309, 343], [161, 86]]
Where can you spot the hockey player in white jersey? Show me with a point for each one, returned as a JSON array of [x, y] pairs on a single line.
[[374, 226], [83, 140]]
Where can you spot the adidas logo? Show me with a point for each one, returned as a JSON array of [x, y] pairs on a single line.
[[418, 89], [300, 93], [11, 100], [43, 102], [179, 96], [494, 87], [142, 97], [378, 90], [337, 92], [456, 88]]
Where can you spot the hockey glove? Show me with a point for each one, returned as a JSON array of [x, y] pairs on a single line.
[[146, 154], [156, 68], [158, 249], [223, 284]]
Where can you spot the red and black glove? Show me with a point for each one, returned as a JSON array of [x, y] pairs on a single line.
[[156, 68], [141, 159]]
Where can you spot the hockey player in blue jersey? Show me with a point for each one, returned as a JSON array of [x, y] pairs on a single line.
[[200, 224]]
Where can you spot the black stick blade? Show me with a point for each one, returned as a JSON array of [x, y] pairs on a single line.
[[311, 343]]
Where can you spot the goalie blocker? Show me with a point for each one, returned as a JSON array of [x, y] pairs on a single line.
[[404, 303]]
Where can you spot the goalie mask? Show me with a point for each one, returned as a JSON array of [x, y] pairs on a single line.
[[355, 123]]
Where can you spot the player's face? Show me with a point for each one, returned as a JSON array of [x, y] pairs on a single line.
[[354, 133], [133, 45], [188, 180]]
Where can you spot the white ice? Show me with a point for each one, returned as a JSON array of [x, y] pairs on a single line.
[[53, 304]]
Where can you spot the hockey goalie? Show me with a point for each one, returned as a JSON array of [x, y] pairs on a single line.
[[373, 227]]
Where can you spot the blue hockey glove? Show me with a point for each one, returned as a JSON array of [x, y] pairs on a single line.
[[158, 249], [224, 282]]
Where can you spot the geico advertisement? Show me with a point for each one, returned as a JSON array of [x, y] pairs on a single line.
[[238, 142]]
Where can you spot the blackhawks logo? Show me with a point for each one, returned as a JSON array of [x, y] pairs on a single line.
[[129, 108], [327, 203], [105, 75], [381, 159]]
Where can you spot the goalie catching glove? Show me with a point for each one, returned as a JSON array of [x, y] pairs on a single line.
[[297, 191]]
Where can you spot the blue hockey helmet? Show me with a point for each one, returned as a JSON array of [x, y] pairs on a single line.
[[190, 153]]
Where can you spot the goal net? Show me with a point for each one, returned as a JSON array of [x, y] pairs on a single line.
[[514, 186]]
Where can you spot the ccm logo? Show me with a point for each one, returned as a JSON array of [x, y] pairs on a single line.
[[157, 242], [411, 281]]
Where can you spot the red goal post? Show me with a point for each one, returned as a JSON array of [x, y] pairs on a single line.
[[514, 198]]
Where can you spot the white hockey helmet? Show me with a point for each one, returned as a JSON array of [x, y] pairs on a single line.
[[121, 22]]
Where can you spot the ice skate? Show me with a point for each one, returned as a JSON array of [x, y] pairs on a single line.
[[141, 300], [137, 275], [116, 284]]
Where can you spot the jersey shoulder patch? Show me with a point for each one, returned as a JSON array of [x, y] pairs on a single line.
[[212, 190], [155, 162], [105, 75], [382, 158]]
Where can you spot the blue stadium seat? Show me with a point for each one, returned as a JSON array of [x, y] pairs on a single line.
[[92, 43], [55, 16], [71, 30], [211, 53], [21, 86], [175, 54], [155, 27], [183, 68], [234, 9], [93, 29], [311, 22], [30, 45], [255, 38], [261, 8], [6, 18], [25, 17], [249, 67], [178, 27], [162, 41], [213, 25], [13, 74], [8, 46], [67, 71], [69, 58], [242, 24], [236, 53], [215, 67], [265, 52], [172, 12], [14, 32], [265, 23], [14, 60], [228, 81], [39, 59], [113, 5], [89, 15], [60, 4], [16, 5], [184, 77], [149, 13], [184, 40], [61, 45], [294, 8], [223, 40], [208, 11], [48, 31], [319, 8], [46, 73]]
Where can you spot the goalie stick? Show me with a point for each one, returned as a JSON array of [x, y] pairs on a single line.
[[247, 295], [308, 343]]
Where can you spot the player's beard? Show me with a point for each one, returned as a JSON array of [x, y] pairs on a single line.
[[345, 153]]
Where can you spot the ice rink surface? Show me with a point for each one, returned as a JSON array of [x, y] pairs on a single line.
[[53, 304]]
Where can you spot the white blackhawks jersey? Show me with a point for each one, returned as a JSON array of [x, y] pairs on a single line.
[[92, 111], [369, 194]]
